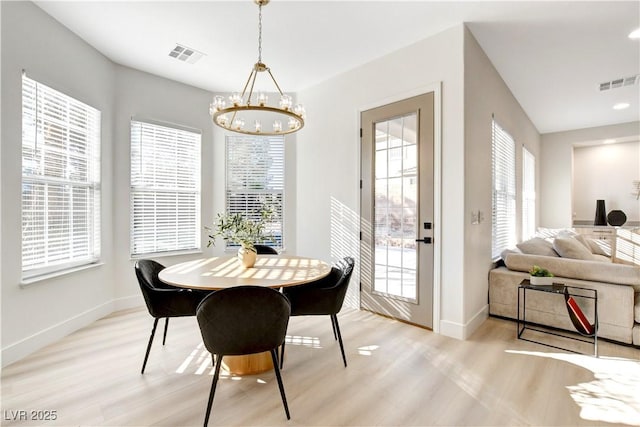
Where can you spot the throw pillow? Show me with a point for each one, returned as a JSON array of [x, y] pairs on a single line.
[[568, 247], [537, 246], [591, 244], [596, 248], [547, 233]]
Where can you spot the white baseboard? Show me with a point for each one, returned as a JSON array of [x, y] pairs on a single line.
[[30, 344], [477, 320], [125, 303], [463, 331]]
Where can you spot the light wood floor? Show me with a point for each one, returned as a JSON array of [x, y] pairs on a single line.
[[397, 375]]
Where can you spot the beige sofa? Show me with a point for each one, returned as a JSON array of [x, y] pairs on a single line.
[[618, 288]]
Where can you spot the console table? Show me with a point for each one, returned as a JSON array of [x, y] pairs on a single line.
[[560, 289]]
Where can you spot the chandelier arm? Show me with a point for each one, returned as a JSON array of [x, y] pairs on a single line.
[[244, 90], [274, 81], [253, 81]]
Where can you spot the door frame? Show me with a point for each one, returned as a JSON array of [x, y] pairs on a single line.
[[436, 88]]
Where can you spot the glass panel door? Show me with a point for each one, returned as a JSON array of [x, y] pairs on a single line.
[[396, 256], [396, 194]]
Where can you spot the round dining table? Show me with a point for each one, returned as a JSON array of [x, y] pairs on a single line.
[[273, 271]]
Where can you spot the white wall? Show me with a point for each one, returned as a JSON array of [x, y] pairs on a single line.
[[328, 157], [556, 168], [485, 96], [606, 172], [141, 95], [42, 312]]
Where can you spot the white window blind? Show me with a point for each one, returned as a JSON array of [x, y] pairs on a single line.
[[503, 156], [528, 194], [60, 181], [165, 189], [255, 176]]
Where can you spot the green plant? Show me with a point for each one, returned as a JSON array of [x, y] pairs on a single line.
[[540, 272], [241, 230]]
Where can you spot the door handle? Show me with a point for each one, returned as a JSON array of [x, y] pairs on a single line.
[[426, 240]]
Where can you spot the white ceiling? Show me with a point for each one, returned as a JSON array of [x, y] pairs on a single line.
[[552, 55]]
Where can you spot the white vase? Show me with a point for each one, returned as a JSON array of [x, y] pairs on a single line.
[[247, 256], [539, 280]]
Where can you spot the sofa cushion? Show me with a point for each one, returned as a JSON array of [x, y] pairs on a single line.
[[636, 308], [537, 246], [569, 247], [577, 269]]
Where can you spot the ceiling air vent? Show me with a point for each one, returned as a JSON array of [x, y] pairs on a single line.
[[185, 54], [621, 82]]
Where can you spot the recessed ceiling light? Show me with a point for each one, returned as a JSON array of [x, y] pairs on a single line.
[[635, 34], [621, 106]]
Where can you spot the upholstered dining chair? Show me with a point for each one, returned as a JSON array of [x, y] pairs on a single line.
[[265, 250], [164, 300], [243, 320], [322, 297]]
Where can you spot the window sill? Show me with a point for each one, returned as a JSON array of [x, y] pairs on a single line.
[[41, 278], [165, 254]]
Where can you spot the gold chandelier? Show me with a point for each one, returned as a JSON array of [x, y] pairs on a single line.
[[285, 118]]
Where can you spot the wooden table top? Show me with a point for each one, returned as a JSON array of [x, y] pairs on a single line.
[[273, 271]]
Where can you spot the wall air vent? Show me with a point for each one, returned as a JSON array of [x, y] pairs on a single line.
[[185, 54], [621, 82]]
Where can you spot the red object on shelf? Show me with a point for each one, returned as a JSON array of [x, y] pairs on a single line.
[[582, 323]]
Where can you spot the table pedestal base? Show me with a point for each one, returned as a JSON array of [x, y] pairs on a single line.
[[248, 364]]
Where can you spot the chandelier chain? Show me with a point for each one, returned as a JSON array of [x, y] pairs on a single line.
[[260, 33]]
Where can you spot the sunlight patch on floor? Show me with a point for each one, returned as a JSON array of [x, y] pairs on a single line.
[[613, 396], [367, 350], [313, 342], [187, 361]]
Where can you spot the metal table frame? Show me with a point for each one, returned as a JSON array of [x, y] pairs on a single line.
[[556, 288]]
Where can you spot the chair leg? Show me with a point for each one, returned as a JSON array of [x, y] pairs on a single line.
[[335, 321], [333, 325], [166, 326], [146, 356], [274, 358], [213, 389], [282, 355]]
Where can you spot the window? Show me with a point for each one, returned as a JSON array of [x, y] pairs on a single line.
[[528, 194], [503, 157], [165, 189], [255, 176], [60, 181]]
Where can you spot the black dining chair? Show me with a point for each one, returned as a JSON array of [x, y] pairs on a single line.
[[265, 250], [243, 320], [322, 297], [164, 300]]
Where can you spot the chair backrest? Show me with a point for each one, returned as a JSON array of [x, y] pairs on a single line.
[[265, 250], [346, 265], [147, 272], [243, 320]]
